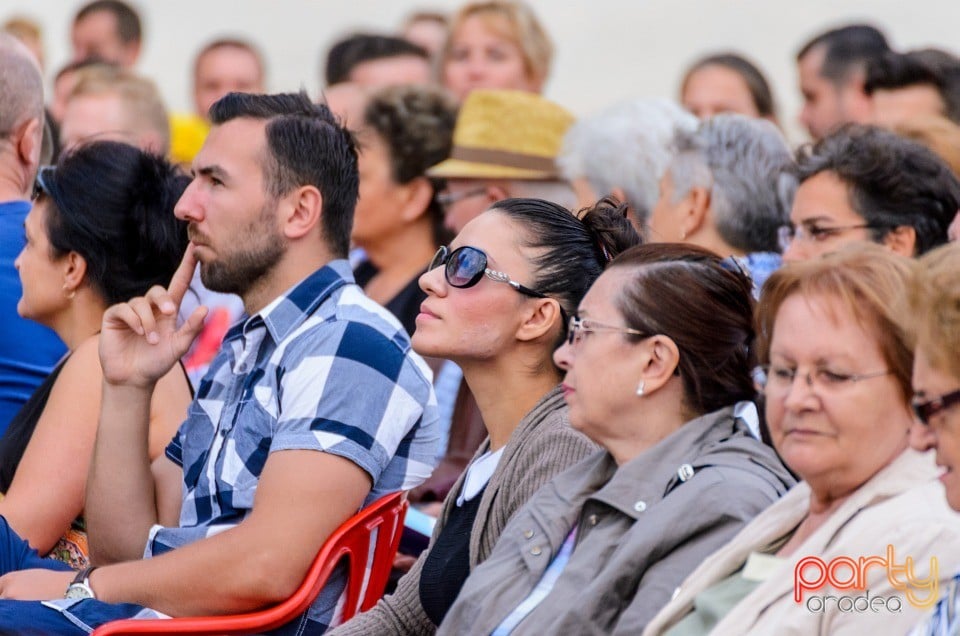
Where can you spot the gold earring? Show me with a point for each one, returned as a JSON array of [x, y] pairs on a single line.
[[69, 293]]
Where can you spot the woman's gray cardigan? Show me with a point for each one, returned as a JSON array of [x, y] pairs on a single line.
[[541, 446]]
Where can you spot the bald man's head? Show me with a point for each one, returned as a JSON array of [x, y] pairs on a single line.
[[21, 86]]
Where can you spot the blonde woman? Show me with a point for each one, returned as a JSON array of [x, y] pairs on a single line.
[[495, 45], [837, 387]]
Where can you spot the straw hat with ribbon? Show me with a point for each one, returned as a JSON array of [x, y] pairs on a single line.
[[503, 134]]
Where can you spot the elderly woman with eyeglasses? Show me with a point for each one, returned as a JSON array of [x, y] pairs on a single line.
[[656, 360], [829, 557], [101, 231], [497, 303], [934, 324]]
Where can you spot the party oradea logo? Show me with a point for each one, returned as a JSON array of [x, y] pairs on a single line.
[[814, 579]]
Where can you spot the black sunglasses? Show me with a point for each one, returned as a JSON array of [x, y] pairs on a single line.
[[926, 410], [466, 265]]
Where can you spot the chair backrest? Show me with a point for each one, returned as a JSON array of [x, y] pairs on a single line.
[[368, 542]]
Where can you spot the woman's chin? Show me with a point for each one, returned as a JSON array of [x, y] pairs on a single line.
[[424, 345], [576, 420]]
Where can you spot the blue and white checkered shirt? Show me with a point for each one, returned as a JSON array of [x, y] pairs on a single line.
[[945, 618], [322, 367]]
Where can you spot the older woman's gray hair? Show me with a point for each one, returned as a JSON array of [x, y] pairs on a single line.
[[626, 146], [749, 170]]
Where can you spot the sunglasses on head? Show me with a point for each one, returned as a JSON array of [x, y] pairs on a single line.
[[927, 410], [40, 185], [465, 266]]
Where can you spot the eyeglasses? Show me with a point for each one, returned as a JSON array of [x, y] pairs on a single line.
[[466, 265], [775, 378], [927, 410], [40, 184], [578, 326], [786, 234], [446, 199]]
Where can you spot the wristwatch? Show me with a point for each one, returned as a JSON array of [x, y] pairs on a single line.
[[80, 587]]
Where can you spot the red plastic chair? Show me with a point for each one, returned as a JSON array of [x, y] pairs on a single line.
[[351, 541]]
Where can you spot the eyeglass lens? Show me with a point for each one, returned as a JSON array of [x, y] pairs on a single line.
[[573, 330], [465, 266], [926, 410]]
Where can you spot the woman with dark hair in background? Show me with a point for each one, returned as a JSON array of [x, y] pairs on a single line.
[[497, 302], [727, 83], [398, 221], [399, 225], [101, 231], [659, 361]]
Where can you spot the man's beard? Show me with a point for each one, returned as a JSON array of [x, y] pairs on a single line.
[[260, 249]]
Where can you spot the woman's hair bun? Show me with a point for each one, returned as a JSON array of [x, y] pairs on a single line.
[[608, 223]]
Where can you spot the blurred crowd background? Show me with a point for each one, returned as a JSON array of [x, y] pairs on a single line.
[[606, 50]]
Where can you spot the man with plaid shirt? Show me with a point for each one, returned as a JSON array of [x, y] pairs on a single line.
[[315, 406]]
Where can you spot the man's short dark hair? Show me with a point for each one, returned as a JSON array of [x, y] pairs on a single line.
[[846, 49], [893, 182], [932, 67], [307, 147], [128, 21], [356, 49]]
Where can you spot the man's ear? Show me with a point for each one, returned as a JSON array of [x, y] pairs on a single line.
[[619, 194], [28, 138], [695, 208], [496, 192], [131, 51], [857, 105], [902, 240], [300, 211]]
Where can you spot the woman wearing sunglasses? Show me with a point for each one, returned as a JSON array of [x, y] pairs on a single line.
[[399, 225], [497, 303], [101, 231], [837, 387], [656, 359], [934, 323]]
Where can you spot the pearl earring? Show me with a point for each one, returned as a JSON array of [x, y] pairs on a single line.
[[640, 389]]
